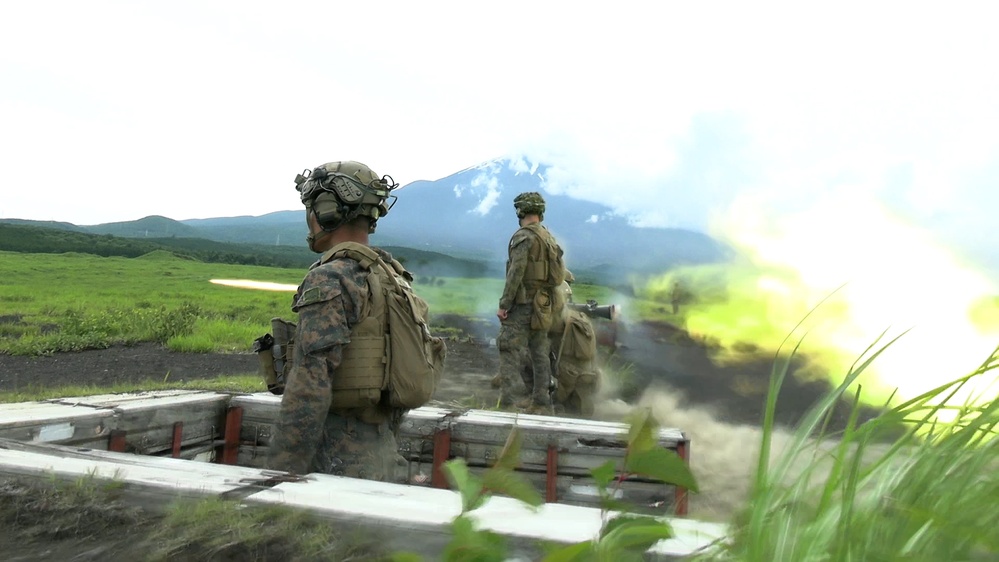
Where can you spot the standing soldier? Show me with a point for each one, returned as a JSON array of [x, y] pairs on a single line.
[[675, 296], [334, 417], [527, 308]]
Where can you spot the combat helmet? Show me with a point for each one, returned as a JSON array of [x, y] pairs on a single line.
[[529, 203], [339, 192]]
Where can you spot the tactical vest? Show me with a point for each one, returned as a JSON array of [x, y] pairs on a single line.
[[545, 266]]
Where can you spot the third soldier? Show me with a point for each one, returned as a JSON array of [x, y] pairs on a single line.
[[529, 305]]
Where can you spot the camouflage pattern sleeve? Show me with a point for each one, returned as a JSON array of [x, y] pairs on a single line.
[[329, 302], [516, 264]]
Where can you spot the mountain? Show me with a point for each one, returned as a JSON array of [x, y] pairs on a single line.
[[468, 215], [46, 224], [149, 227], [471, 212]]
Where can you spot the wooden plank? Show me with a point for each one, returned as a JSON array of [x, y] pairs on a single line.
[[146, 419], [167, 477], [149, 424], [410, 518], [123, 398], [478, 426], [571, 446], [431, 510], [52, 422]]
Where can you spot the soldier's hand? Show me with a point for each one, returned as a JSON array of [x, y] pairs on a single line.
[[501, 314]]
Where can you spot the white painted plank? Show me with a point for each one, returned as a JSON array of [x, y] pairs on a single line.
[[430, 508], [31, 413], [118, 399], [58, 423], [415, 511], [174, 477]]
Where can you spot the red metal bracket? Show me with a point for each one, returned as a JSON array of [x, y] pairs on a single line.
[[551, 475], [178, 438], [442, 450], [116, 441], [233, 427], [680, 493]]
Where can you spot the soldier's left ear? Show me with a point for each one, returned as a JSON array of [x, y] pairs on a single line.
[[328, 209]]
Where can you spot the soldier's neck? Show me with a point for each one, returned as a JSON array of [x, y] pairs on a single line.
[[350, 232]]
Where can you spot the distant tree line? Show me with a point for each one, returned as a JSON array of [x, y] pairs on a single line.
[[38, 240], [45, 240]]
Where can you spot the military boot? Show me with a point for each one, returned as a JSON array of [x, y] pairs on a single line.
[[540, 410], [530, 406]]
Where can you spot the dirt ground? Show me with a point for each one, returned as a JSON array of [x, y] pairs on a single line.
[[638, 356]]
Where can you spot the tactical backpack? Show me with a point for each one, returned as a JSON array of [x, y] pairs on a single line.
[[391, 350], [577, 374]]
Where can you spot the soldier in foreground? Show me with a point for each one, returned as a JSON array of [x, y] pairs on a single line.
[[338, 415], [529, 305]]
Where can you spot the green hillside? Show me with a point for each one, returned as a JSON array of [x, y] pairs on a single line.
[[44, 240], [148, 227]]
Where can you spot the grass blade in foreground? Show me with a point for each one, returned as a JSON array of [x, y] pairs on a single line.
[[869, 494]]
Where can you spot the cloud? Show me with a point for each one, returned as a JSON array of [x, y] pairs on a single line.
[[490, 184]]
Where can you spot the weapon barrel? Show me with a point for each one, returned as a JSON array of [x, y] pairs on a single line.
[[607, 311]]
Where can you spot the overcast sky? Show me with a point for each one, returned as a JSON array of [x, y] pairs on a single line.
[[838, 141], [668, 111], [674, 113]]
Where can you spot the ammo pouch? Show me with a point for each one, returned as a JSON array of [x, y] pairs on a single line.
[[264, 348], [275, 354], [542, 310]]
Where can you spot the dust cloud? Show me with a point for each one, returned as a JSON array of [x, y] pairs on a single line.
[[723, 456]]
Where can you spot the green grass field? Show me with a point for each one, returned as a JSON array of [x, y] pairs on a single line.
[[70, 302]]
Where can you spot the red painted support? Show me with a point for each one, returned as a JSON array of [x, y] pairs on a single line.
[[116, 441], [178, 437], [551, 475], [233, 427], [442, 450], [680, 493]]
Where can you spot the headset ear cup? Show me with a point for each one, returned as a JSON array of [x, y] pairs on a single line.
[[328, 210]]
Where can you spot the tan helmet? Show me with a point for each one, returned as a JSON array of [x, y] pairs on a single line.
[[529, 203], [338, 192]]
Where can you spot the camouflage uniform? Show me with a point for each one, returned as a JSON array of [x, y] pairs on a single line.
[[519, 344], [309, 436]]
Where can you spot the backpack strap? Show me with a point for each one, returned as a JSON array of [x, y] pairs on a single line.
[[561, 346], [369, 259]]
